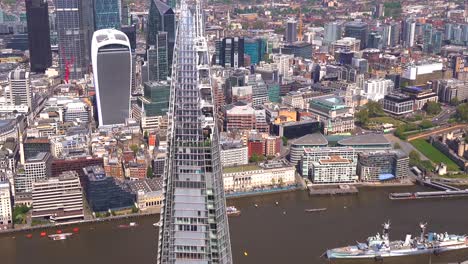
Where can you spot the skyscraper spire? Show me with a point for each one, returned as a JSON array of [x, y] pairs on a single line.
[[194, 225]]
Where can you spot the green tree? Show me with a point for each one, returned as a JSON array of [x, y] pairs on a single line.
[[375, 109], [256, 158], [397, 145], [134, 148], [285, 141], [425, 124], [362, 117], [455, 101], [149, 172], [433, 108], [414, 158], [462, 112]]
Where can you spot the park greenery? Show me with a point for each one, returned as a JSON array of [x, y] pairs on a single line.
[[256, 158], [415, 160], [392, 9], [434, 154], [149, 172], [19, 214], [433, 108], [462, 112], [370, 110]]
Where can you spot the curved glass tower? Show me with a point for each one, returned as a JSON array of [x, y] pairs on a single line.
[[112, 71], [194, 222]]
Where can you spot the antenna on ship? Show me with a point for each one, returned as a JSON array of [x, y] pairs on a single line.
[[386, 230], [423, 227]]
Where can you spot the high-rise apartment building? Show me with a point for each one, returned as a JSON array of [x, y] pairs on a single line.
[[59, 198], [6, 215], [194, 225], [358, 30], [107, 14], [20, 92], [112, 68], [40, 54], [333, 32], [72, 37]]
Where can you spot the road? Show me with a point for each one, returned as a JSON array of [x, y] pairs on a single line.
[[405, 146], [443, 117]]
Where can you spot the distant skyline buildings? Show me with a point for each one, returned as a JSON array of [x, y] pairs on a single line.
[[107, 14], [408, 32], [157, 57], [40, 54], [230, 52], [291, 31], [358, 30], [112, 70], [332, 32]]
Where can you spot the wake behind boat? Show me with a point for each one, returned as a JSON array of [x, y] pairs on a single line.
[[315, 210], [380, 246]]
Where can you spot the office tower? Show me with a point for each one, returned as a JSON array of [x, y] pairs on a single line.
[[374, 41], [255, 48], [112, 68], [130, 31], [409, 29], [19, 92], [194, 222], [333, 32], [35, 168], [391, 34], [156, 98], [157, 59], [437, 41], [161, 17], [40, 55], [107, 14], [259, 90], [72, 38], [231, 53], [357, 30], [379, 10], [291, 31]]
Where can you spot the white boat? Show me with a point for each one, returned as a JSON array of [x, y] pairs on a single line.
[[315, 210], [62, 236], [158, 224], [232, 211]]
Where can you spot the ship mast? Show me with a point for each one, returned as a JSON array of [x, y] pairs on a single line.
[[386, 232], [423, 230]]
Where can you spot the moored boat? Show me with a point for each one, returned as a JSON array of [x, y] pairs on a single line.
[[380, 246], [315, 210], [232, 211], [61, 236]]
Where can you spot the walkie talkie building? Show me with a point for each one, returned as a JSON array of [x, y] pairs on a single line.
[[194, 225]]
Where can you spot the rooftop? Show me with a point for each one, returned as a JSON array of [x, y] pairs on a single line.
[[146, 185], [368, 139], [249, 167], [312, 139]]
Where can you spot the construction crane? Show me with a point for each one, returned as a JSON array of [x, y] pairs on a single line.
[[300, 35], [68, 63]]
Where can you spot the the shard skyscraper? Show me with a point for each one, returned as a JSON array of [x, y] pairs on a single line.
[[194, 225]]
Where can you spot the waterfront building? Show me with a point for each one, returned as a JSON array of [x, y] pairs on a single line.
[[107, 14], [358, 30], [40, 54], [391, 163], [73, 22], [246, 178], [20, 90], [329, 164], [149, 193], [315, 140], [34, 169], [194, 207], [105, 193], [366, 142], [398, 104], [112, 68], [6, 214], [234, 154], [291, 31], [58, 199]]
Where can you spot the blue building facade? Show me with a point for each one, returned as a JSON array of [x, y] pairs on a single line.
[[107, 14], [255, 48]]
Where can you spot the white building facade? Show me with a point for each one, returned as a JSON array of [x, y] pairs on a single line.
[[6, 218]]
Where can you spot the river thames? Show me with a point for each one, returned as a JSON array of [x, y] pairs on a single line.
[[269, 233]]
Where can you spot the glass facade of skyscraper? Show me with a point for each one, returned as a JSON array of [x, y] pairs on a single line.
[[107, 14]]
